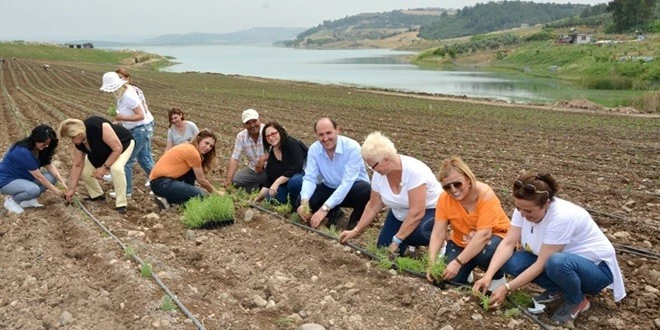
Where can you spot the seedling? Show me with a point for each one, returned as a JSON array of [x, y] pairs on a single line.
[[511, 312], [112, 110], [384, 263], [484, 300], [295, 217], [241, 197], [410, 264], [331, 231], [306, 208], [129, 252], [284, 322], [208, 212], [145, 270], [521, 298], [438, 268], [166, 304]]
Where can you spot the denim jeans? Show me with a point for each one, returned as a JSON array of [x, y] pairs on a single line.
[[142, 153], [23, 190], [571, 274], [419, 237], [481, 260], [356, 199], [289, 191], [176, 191]]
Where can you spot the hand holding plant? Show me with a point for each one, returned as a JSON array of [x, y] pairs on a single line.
[[347, 234]]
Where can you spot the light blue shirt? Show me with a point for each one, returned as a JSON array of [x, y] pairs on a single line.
[[339, 173]]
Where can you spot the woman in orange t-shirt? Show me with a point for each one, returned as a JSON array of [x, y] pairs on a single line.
[[477, 220]]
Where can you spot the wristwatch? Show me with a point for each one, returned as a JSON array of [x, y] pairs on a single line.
[[325, 208], [396, 240]]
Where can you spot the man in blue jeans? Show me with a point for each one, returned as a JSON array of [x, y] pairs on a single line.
[[335, 177]]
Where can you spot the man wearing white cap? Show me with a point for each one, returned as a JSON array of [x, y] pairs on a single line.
[[249, 142]]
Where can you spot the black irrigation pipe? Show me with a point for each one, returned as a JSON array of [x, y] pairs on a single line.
[[372, 256], [142, 263], [637, 251]]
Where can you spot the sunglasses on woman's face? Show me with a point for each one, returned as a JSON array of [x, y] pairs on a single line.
[[528, 188], [268, 136], [457, 185]]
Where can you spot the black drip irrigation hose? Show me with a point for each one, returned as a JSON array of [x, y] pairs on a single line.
[[142, 263], [636, 251], [440, 285]]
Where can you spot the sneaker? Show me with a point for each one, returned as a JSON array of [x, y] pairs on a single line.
[[107, 177], [121, 210], [30, 203], [148, 184], [496, 283], [114, 195], [547, 297], [568, 311], [161, 202], [12, 206], [334, 217]]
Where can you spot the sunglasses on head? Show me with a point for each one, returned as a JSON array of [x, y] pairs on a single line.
[[457, 185], [528, 188]]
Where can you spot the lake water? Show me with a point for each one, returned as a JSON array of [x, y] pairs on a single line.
[[378, 68]]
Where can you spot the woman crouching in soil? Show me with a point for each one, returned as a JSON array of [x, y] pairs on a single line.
[[564, 251], [477, 220], [21, 178], [100, 147], [404, 184], [173, 177]]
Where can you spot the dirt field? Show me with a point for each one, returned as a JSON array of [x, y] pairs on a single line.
[[60, 271]]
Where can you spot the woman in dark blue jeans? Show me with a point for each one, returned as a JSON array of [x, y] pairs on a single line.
[[563, 250], [286, 158], [404, 184], [173, 177]]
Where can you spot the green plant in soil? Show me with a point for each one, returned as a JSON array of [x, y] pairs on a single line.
[[521, 298], [166, 304], [145, 270], [295, 217], [201, 211], [384, 263], [275, 206], [284, 322], [129, 252], [112, 110], [331, 231], [438, 267], [410, 264], [241, 197], [511, 312], [484, 300]]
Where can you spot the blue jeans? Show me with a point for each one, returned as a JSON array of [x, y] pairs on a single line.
[[289, 191], [176, 191], [481, 260], [419, 237], [23, 190], [142, 153], [571, 274]]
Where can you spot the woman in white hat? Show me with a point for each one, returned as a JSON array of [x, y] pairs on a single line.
[[133, 116]]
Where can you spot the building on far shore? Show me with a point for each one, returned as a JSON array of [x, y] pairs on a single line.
[[85, 45]]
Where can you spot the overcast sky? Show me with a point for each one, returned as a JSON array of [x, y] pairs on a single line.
[[55, 20]]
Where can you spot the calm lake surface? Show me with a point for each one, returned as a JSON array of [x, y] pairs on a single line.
[[378, 68]]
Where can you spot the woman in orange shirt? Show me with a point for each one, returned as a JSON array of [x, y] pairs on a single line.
[[477, 220]]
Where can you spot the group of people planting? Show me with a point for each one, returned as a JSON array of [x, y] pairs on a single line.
[[548, 241]]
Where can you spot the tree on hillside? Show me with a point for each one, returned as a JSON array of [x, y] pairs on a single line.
[[628, 14]]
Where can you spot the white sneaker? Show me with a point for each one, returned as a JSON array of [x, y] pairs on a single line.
[[30, 203], [114, 195], [496, 283], [148, 184], [12, 206], [107, 177], [161, 202]]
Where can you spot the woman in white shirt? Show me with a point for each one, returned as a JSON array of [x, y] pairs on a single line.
[[133, 116], [404, 184], [563, 250]]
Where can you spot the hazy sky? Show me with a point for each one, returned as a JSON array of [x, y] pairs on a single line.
[[70, 19]]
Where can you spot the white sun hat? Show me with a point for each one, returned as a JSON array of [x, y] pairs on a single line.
[[111, 82]]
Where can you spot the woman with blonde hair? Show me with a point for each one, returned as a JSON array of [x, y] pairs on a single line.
[[100, 147], [404, 184], [477, 220], [132, 114], [173, 177]]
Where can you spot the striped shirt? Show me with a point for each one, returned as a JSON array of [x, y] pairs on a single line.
[[245, 145]]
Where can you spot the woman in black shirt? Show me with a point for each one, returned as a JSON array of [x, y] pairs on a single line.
[[107, 148], [286, 159]]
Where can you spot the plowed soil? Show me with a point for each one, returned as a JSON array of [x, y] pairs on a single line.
[[59, 270]]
